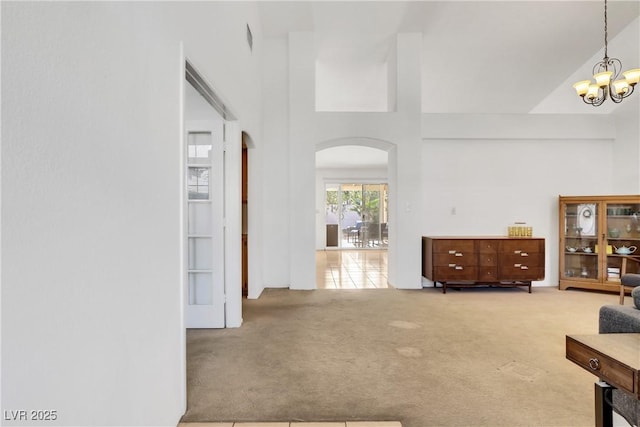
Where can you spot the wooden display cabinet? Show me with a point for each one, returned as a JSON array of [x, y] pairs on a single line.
[[599, 241]]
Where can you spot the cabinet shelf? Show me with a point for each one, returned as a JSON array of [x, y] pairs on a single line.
[[581, 253]]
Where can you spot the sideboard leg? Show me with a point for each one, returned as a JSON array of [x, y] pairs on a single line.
[[604, 414]]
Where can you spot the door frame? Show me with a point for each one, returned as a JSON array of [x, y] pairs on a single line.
[[232, 214]]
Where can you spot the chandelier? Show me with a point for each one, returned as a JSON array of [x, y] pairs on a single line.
[[606, 74]]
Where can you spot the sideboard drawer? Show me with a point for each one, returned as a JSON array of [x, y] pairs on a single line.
[[487, 259], [457, 258], [488, 246], [517, 246], [456, 272], [452, 246], [529, 259], [601, 365], [487, 274]]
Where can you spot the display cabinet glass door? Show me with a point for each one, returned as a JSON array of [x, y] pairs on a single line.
[[581, 241], [622, 239]]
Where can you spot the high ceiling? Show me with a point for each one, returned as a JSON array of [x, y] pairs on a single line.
[[477, 56]]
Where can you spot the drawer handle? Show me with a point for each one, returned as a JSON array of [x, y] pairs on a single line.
[[459, 267], [594, 364], [524, 267], [452, 265], [517, 251], [524, 254], [452, 252], [458, 253], [517, 265]]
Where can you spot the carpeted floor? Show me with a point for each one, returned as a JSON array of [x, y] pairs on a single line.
[[476, 357]]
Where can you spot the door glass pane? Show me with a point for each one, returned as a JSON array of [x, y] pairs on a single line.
[[351, 217], [200, 256], [581, 238], [332, 215], [200, 289], [371, 197], [199, 218], [623, 239]]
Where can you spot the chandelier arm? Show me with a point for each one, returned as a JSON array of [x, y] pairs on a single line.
[[596, 102], [616, 64]]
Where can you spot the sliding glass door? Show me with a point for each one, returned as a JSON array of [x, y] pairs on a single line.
[[356, 215]]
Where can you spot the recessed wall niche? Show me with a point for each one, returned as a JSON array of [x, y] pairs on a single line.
[[354, 76]]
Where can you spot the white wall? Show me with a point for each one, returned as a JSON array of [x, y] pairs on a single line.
[[514, 172], [274, 178], [302, 135], [91, 317], [549, 153], [626, 168]]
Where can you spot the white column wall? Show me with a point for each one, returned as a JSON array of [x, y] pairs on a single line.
[[274, 178], [92, 321], [302, 160], [405, 191]]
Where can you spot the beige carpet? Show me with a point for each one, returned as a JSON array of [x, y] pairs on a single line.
[[476, 357]]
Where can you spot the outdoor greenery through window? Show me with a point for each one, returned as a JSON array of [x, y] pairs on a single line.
[[358, 214]]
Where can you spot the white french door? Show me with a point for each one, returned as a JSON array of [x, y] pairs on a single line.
[[204, 168]]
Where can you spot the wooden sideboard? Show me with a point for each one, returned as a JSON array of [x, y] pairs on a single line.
[[465, 261]]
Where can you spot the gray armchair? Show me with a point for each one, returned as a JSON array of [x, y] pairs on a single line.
[[623, 319]]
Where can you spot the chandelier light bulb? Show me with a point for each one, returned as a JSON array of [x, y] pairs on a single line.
[[603, 79], [582, 87], [621, 87], [632, 76], [592, 92]]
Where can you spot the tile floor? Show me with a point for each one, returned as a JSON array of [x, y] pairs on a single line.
[[351, 269], [299, 424]]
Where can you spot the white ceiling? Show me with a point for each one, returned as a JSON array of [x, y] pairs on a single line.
[[478, 57]]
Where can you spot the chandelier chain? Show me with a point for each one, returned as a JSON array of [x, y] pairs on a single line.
[[606, 33]]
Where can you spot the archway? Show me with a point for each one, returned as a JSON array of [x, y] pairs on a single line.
[[353, 197]]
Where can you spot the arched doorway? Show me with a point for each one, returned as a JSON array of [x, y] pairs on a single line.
[[352, 201]]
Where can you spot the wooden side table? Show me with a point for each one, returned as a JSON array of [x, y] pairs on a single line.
[[615, 359]]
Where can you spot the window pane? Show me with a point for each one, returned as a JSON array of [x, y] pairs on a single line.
[[198, 183], [199, 147]]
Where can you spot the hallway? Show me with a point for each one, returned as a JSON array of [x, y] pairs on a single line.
[[351, 269]]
